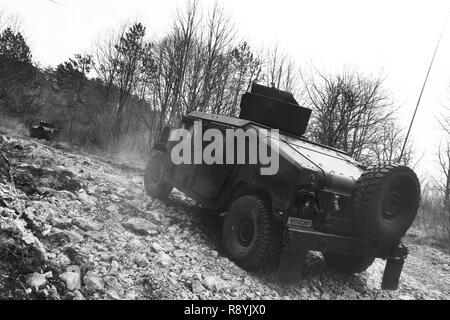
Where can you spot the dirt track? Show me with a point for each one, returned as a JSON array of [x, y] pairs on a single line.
[[103, 238]]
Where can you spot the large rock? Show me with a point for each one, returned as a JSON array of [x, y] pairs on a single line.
[[139, 225], [140, 260], [86, 224], [59, 223], [18, 227], [134, 244], [179, 253], [197, 287], [36, 280], [73, 268], [93, 283], [215, 283], [71, 279], [96, 235], [63, 260], [86, 199], [164, 259], [113, 294], [172, 229], [77, 295], [157, 247], [65, 235], [154, 216], [113, 213], [115, 265], [74, 295]]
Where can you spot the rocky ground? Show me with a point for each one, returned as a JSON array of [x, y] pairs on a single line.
[[80, 227]]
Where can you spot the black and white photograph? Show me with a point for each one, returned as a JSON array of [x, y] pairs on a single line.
[[223, 155]]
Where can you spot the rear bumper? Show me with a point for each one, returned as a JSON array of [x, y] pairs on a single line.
[[299, 241]]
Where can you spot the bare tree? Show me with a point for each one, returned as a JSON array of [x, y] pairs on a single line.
[[440, 199], [280, 71], [194, 64], [349, 110], [183, 37], [218, 36], [106, 59], [388, 144], [443, 159], [173, 56], [443, 155], [194, 75], [437, 203], [131, 48]]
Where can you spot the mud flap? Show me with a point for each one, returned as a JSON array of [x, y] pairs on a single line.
[[292, 262], [393, 269]]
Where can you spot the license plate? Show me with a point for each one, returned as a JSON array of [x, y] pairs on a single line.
[[297, 222]]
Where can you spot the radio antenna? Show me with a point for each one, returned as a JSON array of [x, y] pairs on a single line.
[[423, 87]]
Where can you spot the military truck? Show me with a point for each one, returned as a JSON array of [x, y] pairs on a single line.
[[43, 130], [320, 199]]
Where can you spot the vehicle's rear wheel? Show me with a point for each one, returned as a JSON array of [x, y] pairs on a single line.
[[154, 181], [386, 202], [349, 264], [251, 236]]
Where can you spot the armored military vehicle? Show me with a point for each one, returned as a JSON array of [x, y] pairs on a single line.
[[319, 199], [43, 130]]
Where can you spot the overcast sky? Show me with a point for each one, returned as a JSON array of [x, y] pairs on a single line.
[[394, 38]]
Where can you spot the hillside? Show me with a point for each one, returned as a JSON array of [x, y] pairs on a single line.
[[78, 226]]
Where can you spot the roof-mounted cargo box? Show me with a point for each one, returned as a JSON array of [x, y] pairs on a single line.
[[275, 108]]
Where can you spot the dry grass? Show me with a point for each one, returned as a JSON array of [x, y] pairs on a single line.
[[131, 148], [432, 224]]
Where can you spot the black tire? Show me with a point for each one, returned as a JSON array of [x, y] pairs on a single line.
[[154, 181], [37, 133], [349, 264], [385, 202], [251, 236], [47, 135]]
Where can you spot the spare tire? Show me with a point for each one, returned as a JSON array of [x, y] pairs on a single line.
[[385, 202]]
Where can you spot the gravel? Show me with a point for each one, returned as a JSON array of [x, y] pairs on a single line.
[[88, 231]]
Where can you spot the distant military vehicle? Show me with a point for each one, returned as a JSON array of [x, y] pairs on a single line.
[[44, 130], [320, 199]]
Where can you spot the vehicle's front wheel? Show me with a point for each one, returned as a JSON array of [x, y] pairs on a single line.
[[251, 236], [349, 264], [154, 181]]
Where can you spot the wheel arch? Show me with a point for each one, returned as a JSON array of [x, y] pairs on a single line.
[[244, 187], [277, 192], [249, 188]]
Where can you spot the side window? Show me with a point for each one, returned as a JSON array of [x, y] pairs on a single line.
[[188, 125]]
